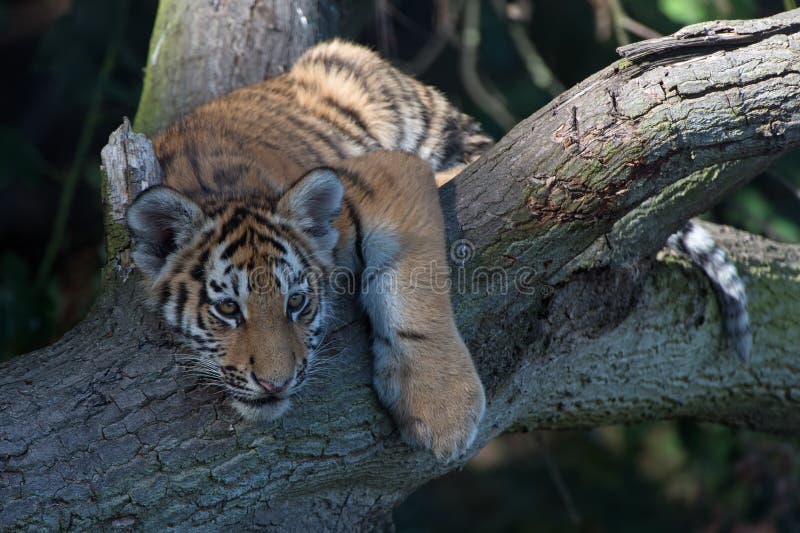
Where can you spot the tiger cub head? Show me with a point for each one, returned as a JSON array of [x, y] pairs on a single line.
[[242, 282]]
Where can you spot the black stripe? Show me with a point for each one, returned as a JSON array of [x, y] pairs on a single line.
[[426, 120], [341, 64], [234, 246], [191, 154], [362, 77], [199, 269], [235, 284], [309, 128], [313, 313], [279, 261], [348, 113], [291, 137], [399, 85], [233, 223], [198, 338], [282, 230], [357, 180], [411, 335], [214, 209], [297, 243], [352, 115], [203, 296], [183, 295], [164, 296], [356, 218], [381, 338], [228, 176], [454, 145], [267, 239], [166, 160]]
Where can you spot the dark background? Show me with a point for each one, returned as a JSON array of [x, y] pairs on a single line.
[[73, 68]]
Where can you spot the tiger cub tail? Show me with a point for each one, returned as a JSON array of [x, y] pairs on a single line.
[[699, 246]]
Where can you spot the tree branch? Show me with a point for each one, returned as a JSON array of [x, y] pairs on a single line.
[[101, 429]]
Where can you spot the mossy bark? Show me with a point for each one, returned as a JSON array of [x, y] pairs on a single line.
[[102, 430], [200, 50]]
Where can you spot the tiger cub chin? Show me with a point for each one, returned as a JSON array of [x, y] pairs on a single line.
[[274, 187]]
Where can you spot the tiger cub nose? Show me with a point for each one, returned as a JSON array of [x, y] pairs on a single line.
[[272, 387]]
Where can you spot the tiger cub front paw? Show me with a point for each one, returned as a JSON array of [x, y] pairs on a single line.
[[437, 400]]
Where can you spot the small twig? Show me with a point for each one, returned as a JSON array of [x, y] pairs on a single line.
[[558, 481], [638, 29], [539, 72], [784, 182], [602, 19], [617, 14], [445, 22], [405, 21], [386, 38], [621, 22], [470, 42], [81, 151], [427, 55]]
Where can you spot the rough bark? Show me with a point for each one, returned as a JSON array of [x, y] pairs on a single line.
[[204, 49], [101, 429]]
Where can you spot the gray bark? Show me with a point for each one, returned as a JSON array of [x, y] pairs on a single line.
[[200, 50], [102, 430]]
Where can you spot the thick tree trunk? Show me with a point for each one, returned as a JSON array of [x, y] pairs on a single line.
[[200, 50], [570, 322]]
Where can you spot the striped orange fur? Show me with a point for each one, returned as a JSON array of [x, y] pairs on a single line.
[[273, 189]]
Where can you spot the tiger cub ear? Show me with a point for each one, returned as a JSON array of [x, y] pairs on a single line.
[[313, 203], [161, 220]]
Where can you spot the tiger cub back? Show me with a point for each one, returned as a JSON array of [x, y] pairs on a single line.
[[338, 101]]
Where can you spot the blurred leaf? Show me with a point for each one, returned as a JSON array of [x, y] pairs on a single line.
[[784, 229], [91, 174], [685, 11], [19, 159], [26, 312], [662, 452], [693, 11]]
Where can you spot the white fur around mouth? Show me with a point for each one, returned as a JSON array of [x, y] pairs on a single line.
[[262, 410]]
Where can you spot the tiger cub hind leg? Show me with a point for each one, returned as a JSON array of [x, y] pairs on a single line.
[[423, 372]]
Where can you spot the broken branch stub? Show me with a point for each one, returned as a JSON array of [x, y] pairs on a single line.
[[129, 167]]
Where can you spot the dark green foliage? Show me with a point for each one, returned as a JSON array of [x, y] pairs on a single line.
[[26, 309], [55, 71], [661, 477]]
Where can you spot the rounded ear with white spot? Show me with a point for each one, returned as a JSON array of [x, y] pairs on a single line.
[[314, 203], [161, 220]]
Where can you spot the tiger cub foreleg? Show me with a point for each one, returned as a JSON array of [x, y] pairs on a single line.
[[423, 373]]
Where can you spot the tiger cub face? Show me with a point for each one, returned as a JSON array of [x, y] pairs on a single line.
[[243, 282]]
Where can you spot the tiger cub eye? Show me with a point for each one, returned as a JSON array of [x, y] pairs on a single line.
[[295, 302], [228, 307]]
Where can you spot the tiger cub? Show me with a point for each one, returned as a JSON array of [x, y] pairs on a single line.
[[272, 188]]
